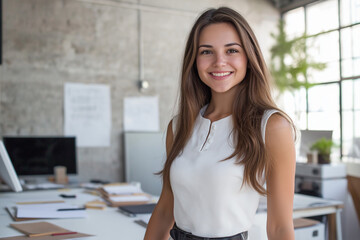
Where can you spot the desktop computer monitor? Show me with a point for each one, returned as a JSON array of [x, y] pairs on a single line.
[[36, 157], [309, 137], [7, 172]]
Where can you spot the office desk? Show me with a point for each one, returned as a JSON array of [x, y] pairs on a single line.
[[110, 224], [307, 206], [105, 224]]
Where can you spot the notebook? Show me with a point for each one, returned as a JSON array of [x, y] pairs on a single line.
[[132, 210], [39, 229]]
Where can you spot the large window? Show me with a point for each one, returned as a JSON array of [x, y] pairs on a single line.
[[333, 27]]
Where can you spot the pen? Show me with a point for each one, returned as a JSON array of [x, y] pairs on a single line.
[[65, 233], [70, 209], [67, 196]]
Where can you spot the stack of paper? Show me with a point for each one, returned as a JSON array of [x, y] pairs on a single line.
[[124, 194], [45, 211]]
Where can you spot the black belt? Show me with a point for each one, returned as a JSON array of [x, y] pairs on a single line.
[[179, 234]]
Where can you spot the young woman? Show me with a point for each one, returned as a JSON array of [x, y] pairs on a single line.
[[227, 140]]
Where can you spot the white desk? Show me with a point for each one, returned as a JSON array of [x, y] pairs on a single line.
[[110, 224], [306, 206], [105, 224]]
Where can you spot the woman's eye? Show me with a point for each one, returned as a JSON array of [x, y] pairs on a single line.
[[232, 51], [205, 52]]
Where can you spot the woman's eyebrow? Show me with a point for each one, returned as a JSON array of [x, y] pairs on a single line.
[[232, 44], [226, 45], [205, 46]]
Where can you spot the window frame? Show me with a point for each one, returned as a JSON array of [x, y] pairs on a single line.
[[341, 79]]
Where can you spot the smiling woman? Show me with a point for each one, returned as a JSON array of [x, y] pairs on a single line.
[[227, 140], [221, 62]]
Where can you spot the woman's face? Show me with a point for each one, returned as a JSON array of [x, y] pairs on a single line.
[[221, 60]]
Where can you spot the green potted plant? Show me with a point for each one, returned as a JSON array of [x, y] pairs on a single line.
[[290, 63], [323, 146]]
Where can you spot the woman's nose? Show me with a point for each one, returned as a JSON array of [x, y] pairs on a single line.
[[220, 60]]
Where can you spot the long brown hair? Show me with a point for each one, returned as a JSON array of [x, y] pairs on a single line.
[[253, 97]]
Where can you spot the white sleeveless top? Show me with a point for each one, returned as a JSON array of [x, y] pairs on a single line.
[[208, 198]]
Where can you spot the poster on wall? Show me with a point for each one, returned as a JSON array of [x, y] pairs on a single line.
[[141, 114], [87, 114]]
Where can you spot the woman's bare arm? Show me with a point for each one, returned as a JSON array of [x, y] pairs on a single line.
[[162, 218], [279, 143]]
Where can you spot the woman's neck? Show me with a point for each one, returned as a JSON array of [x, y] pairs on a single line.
[[221, 105]]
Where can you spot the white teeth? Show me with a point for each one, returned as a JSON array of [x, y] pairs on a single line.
[[221, 74]]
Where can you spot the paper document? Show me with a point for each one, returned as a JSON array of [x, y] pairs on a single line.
[[41, 201], [130, 198], [47, 185], [122, 189], [141, 114], [49, 211], [87, 113]]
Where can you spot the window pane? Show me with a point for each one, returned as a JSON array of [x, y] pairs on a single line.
[[350, 51], [330, 74], [294, 101], [295, 23], [324, 49], [324, 98], [351, 95], [357, 124], [348, 130], [357, 96], [351, 134], [322, 16], [348, 91], [294, 104], [350, 12], [350, 44], [302, 120], [350, 67], [347, 68], [325, 121], [346, 43]]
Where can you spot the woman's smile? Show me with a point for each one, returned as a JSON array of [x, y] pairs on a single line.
[[220, 75]]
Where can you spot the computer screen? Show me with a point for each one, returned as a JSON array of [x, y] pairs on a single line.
[[309, 137], [7, 173], [39, 155]]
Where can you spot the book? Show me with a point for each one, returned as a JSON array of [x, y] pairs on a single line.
[[132, 210], [120, 194], [121, 189], [134, 199]]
